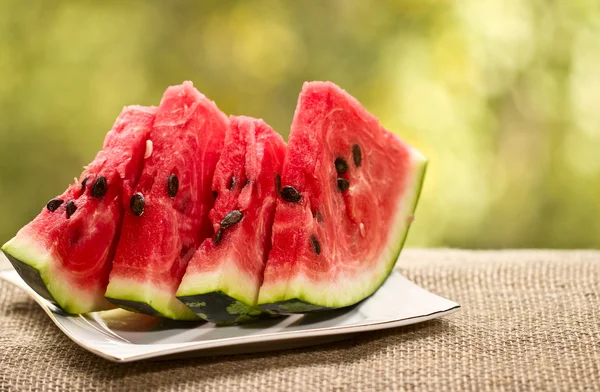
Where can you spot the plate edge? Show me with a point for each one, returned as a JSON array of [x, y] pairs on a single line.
[[188, 347]]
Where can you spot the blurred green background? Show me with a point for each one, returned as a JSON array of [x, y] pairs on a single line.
[[503, 96]]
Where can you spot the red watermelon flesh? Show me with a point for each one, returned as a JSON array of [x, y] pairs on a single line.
[[65, 253], [167, 217], [222, 281], [350, 189]]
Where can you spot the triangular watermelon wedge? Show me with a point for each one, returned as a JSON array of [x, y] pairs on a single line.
[[65, 253], [167, 216], [222, 281], [350, 189]]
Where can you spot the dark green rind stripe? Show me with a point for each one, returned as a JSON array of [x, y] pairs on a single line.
[[221, 309], [293, 306], [32, 277], [135, 306]]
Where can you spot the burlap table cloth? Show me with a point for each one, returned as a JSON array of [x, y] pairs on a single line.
[[530, 321]]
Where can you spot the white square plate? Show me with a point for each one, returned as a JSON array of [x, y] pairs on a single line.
[[122, 336]]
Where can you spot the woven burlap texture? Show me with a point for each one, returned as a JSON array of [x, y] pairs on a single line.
[[530, 321]]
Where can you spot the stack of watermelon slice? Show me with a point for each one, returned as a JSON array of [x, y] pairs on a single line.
[[187, 214]]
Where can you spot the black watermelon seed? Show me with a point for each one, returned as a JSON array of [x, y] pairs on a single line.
[[290, 194], [341, 166], [83, 184], [54, 204], [231, 219], [247, 183], [99, 187], [215, 194], [343, 184], [137, 204], [278, 184], [218, 236], [315, 244], [173, 185], [71, 208], [356, 155], [231, 183]]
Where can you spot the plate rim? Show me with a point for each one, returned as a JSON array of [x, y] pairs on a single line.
[[11, 276]]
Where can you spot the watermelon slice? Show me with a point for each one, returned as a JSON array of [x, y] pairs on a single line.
[[222, 281], [167, 216], [65, 253], [350, 189]]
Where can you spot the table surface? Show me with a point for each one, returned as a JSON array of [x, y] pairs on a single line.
[[530, 321]]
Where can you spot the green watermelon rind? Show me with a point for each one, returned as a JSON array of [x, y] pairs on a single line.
[[227, 296], [33, 264], [280, 300], [222, 309], [129, 294]]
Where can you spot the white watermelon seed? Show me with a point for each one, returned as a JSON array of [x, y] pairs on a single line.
[[148, 151]]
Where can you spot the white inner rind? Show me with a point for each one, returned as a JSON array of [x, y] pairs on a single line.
[[163, 301], [71, 298], [228, 278], [352, 289]]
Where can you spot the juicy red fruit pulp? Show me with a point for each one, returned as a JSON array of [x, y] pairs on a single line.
[[80, 228], [164, 222], [344, 176], [87, 243], [228, 268], [245, 182]]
